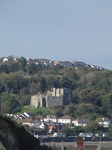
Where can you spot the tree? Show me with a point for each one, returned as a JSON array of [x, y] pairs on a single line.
[[32, 68], [2, 88], [9, 104], [91, 127], [91, 78], [69, 110], [8, 84], [89, 96], [66, 130], [43, 85], [75, 97], [33, 88], [77, 129], [4, 68], [59, 110], [107, 105], [13, 67], [57, 68], [86, 108], [64, 82], [70, 73], [24, 100], [22, 62]]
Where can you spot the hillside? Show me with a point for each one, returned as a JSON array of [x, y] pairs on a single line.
[[91, 86]]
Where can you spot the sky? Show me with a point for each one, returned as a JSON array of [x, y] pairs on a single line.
[[71, 30]]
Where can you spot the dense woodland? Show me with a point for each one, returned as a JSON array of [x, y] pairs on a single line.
[[91, 88]]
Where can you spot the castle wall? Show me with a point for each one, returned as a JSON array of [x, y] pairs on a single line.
[[54, 101], [56, 92], [33, 101], [53, 92], [37, 101], [52, 98]]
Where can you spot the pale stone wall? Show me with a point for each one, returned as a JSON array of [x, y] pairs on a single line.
[[53, 92], [37, 101], [33, 101], [56, 92], [52, 98]]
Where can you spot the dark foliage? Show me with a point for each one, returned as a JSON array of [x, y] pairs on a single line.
[[91, 88]]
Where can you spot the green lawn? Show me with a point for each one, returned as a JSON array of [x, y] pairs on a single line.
[[36, 111]]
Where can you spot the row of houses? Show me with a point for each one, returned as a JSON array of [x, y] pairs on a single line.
[[28, 119], [47, 62], [49, 123], [53, 124], [62, 121]]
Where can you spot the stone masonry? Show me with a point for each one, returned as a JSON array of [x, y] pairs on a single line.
[[57, 96]]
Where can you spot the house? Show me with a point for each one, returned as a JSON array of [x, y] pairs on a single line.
[[43, 125], [5, 60], [105, 122], [51, 118], [78, 64], [56, 63], [80, 122], [65, 120], [51, 126], [36, 123], [15, 60], [64, 63], [28, 114], [27, 121]]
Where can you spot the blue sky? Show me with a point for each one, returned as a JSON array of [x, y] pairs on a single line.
[[73, 30]]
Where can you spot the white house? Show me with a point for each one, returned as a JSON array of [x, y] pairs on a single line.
[[5, 60], [105, 122], [27, 121], [80, 122], [43, 125], [27, 114], [65, 120], [51, 118]]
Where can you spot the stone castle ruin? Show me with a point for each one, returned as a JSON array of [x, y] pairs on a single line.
[[55, 97]]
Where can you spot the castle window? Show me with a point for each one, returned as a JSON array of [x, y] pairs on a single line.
[[38, 104]]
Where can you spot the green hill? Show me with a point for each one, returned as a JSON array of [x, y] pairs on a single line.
[[91, 87]]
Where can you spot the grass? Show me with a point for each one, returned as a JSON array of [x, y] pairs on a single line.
[[44, 111]]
